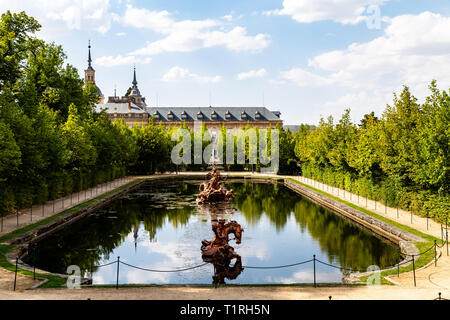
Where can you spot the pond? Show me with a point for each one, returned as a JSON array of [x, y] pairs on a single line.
[[159, 227]]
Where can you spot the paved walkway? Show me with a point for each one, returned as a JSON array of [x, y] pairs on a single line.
[[429, 280], [38, 212]]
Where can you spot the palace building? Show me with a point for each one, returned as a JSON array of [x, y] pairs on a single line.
[[133, 109]]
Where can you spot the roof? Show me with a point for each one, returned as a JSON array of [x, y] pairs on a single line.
[[214, 113], [118, 108]]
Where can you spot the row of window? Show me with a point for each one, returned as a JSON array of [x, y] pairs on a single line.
[[200, 116]]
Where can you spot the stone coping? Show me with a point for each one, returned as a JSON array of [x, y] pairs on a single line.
[[394, 234]]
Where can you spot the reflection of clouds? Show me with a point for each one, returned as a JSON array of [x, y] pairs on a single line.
[[105, 275], [173, 254], [308, 277], [259, 251], [139, 276]]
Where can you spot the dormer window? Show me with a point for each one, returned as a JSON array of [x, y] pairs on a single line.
[[243, 115], [228, 115], [214, 115], [170, 115], [184, 115], [257, 115], [199, 115], [156, 115]]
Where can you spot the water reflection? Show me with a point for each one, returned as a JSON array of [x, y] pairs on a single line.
[[160, 227]]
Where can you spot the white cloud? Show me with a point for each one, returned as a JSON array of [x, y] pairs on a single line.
[[190, 35], [228, 17], [110, 61], [412, 51], [178, 74], [252, 74], [343, 11], [58, 17], [303, 78], [121, 34]]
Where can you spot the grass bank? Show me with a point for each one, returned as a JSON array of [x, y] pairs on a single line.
[[53, 281], [423, 260]]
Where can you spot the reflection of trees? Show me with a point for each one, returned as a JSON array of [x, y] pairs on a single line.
[[98, 235], [343, 242], [154, 205]]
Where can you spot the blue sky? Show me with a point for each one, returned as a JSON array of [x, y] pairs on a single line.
[[304, 58]]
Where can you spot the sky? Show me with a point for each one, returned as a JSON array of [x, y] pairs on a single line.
[[306, 58]]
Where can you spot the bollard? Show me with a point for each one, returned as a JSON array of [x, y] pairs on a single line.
[[34, 263], [15, 274], [435, 254], [414, 270], [446, 240], [427, 223], [117, 280], [314, 263]]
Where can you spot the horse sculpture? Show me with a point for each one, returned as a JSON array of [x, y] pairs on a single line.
[[218, 251], [218, 247]]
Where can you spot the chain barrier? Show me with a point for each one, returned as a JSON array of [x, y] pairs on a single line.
[[279, 267], [314, 260], [151, 270]]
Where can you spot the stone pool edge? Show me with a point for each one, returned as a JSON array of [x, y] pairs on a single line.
[[403, 238]]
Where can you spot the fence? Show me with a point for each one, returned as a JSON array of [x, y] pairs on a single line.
[[314, 261], [59, 205], [347, 195]]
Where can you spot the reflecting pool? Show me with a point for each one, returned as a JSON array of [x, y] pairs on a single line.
[[160, 227]]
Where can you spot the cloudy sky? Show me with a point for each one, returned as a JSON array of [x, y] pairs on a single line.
[[305, 58]]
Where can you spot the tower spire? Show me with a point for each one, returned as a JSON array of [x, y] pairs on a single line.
[[134, 77], [89, 55]]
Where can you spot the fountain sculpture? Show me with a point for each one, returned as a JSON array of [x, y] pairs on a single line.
[[218, 251], [212, 191]]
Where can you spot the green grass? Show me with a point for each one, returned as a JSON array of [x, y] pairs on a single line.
[[423, 260]]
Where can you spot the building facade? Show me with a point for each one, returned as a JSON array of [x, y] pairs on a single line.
[[133, 109]]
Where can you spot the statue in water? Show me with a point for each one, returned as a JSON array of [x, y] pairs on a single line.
[[212, 191], [218, 251]]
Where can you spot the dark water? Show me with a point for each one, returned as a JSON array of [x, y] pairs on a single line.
[[160, 227]]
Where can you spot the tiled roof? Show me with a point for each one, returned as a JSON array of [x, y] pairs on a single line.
[[213, 114]]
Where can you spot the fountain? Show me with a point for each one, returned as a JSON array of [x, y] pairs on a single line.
[[218, 251], [211, 191]]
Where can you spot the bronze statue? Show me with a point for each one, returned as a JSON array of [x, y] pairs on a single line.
[[212, 191], [222, 269], [218, 247], [218, 251]]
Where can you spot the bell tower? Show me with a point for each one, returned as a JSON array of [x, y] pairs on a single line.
[[89, 73]]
